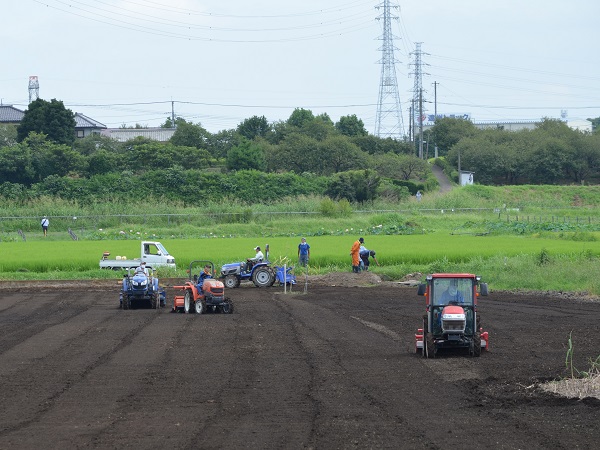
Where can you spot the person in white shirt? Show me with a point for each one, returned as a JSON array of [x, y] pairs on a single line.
[[45, 224], [257, 258], [142, 268]]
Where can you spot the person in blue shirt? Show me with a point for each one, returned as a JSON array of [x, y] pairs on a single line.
[[303, 252], [206, 273], [452, 294]]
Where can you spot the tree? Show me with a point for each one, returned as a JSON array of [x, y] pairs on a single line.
[[188, 134], [299, 117], [254, 127], [338, 154], [49, 118], [8, 135], [595, 124], [354, 185], [247, 155], [448, 131], [400, 167], [351, 126]]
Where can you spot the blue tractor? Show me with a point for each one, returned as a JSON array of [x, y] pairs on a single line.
[[140, 289], [260, 273]]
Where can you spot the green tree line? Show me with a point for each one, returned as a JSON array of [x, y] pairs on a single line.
[[262, 161]]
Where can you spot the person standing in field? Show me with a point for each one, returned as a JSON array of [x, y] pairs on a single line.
[[354, 252], [45, 223], [303, 252]]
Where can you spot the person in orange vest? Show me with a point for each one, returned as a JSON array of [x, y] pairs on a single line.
[[354, 252]]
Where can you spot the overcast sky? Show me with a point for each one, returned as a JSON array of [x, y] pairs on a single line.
[[220, 62]]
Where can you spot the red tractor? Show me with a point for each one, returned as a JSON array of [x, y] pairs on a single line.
[[451, 319], [202, 293]]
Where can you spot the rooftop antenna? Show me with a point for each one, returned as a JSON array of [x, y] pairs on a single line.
[[34, 88]]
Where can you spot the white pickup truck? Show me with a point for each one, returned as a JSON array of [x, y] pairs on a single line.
[[154, 253]]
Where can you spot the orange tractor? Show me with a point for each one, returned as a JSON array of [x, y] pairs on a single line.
[[202, 292], [451, 319]]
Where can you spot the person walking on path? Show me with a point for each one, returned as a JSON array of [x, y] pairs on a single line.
[[303, 252], [45, 223], [354, 252]]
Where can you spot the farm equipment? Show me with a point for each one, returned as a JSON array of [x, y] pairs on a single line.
[[451, 319], [202, 293], [260, 273], [284, 275], [141, 289]]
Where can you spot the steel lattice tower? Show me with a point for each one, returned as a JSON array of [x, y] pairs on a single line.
[[418, 111], [34, 88], [389, 114]]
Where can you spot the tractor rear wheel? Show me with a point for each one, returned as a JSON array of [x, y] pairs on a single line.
[[263, 277], [187, 301], [231, 281], [430, 346], [199, 307], [477, 344]]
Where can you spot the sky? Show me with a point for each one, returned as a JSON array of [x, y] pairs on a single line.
[[216, 63]]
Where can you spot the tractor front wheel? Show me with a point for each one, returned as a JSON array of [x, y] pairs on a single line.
[[199, 307], [231, 281], [154, 302], [263, 277], [227, 308], [187, 301], [126, 304]]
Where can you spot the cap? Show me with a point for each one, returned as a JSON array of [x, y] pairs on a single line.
[[256, 248], [361, 240], [303, 239], [372, 253], [143, 262]]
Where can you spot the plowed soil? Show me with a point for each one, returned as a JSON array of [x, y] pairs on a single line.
[[332, 367]]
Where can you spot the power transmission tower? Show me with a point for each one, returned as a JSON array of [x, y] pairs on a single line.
[[389, 114], [34, 88], [418, 95]]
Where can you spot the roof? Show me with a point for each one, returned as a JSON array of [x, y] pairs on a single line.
[[83, 121], [10, 114], [125, 134]]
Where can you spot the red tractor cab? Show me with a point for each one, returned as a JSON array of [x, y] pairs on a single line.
[[202, 292], [451, 318]]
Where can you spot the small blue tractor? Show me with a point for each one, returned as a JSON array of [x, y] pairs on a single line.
[[140, 289], [260, 273]]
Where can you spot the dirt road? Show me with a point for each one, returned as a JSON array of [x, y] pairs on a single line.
[[332, 368]]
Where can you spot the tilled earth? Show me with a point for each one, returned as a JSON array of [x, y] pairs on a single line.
[[332, 367]]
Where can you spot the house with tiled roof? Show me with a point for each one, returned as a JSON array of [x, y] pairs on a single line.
[[84, 126], [10, 115]]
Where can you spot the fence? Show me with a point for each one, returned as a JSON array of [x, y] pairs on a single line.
[[75, 224]]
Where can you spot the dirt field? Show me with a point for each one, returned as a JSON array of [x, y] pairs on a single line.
[[331, 368]]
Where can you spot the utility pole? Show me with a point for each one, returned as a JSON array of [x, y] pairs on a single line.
[[421, 123], [172, 114], [435, 83], [389, 114]]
